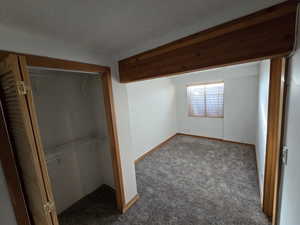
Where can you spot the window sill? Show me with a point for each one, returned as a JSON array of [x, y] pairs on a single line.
[[217, 117]]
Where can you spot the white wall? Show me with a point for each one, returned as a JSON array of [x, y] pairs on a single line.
[[291, 177], [240, 109], [95, 91], [152, 112], [124, 133], [240, 104], [262, 120]]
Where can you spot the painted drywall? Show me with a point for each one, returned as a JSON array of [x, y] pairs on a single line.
[[240, 104], [96, 100], [290, 203], [18, 40], [7, 215], [124, 133], [72, 121], [152, 112], [262, 120], [240, 109]]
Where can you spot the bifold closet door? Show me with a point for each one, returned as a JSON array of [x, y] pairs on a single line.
[[22, 123]]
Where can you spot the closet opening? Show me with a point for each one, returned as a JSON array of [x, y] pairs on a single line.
[[61, 122], [72, 122]]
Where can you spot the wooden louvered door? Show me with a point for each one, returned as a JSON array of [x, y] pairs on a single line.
[[22, 123]]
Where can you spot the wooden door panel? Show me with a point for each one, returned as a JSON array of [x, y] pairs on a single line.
[[19, 120], [36, 131]]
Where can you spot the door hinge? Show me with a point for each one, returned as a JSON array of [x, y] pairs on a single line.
[[22, 88], [49, 207], [284, 155]]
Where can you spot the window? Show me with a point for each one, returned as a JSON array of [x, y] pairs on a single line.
[[206, 100]]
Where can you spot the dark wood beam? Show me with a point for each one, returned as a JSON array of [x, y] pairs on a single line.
[[265, 34]]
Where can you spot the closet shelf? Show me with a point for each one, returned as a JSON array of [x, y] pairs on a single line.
[[56, 151]]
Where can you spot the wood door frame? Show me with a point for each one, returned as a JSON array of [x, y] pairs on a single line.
[[15, 187], [277, 97], [113, 134], [54, 63]]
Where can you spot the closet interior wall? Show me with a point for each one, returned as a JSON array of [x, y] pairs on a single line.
[[72, 122]]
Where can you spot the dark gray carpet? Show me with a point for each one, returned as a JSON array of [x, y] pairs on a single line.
[[189, 181]]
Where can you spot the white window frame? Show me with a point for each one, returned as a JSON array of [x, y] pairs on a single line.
[[190, 112]]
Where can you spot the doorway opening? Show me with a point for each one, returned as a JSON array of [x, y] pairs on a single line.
[[233, 105]]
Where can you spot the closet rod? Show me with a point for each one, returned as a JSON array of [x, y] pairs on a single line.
[[63, 70]]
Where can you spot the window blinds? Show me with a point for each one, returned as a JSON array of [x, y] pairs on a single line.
[[206, 100]]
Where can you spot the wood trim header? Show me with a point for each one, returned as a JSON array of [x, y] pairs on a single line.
[[265, 34], [53, 63], [40, 61]]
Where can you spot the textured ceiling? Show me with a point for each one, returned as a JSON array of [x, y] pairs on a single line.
[[117, 25]]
